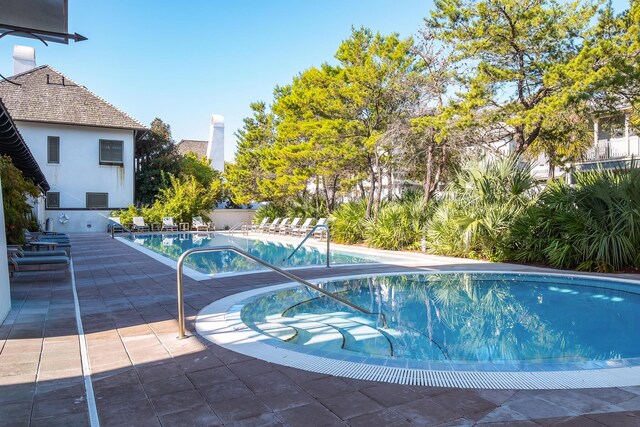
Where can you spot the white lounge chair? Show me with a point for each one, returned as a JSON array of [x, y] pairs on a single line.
[[276, 228], [198, 224], [303, 229], [139, 225], [168, 225], [258, 227], [268, 227], [115, 224], [285, 229]]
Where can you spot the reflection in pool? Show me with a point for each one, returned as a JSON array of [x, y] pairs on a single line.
[[173, 245], [461, 317]]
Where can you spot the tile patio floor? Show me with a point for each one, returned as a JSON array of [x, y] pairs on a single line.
[[143, 376]]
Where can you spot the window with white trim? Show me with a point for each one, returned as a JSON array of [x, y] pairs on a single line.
[[111, 152], [53, 149], [53, 199], [97, 200]]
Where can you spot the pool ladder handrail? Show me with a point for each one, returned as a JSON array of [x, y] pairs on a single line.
[[313, 230], [124, 228], [237, 226], [185, 254]]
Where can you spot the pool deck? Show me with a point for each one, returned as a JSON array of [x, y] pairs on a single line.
[[141, 375]]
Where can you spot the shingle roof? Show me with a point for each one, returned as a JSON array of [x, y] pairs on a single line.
[[192, 146], [46, 95]]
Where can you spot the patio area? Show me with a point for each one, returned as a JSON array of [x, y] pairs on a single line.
[[141, 375]]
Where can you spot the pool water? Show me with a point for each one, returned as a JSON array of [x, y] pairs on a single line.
[[173, 245], [459, 317]]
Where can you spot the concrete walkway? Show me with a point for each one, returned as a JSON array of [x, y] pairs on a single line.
[[142, 375]]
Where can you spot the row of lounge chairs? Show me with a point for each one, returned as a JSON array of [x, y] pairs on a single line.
[[283, 227], [139, 225], [32, 257]]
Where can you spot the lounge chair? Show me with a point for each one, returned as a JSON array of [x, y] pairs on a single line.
[[198, 225], [258, 227], [44, 263], [320, 232], [267, 227], [139, 225], [286, 228], [23, 253], [115, 225], [168, 225], [274, 228], [303, 229]]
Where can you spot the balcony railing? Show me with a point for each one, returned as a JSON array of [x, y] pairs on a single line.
[[614, 149]]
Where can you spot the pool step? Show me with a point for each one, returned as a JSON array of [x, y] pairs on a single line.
[[277, 330], [352, 333]]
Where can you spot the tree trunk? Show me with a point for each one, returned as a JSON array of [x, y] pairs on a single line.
[[427, 182], [379, 186]]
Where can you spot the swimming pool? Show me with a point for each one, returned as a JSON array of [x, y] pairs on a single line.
[[475, 329], [173, 245]]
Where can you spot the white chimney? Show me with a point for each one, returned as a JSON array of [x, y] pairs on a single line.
[[215, 148], [24, 59]]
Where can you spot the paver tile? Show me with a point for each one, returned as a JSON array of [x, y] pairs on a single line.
[[303, 416], [351, 405]]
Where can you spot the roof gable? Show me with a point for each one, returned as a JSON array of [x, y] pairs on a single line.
[[46, 95]]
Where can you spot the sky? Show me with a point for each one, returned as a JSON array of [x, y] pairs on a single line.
[[183, 61]]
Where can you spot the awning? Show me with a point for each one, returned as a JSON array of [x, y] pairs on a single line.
[[12, 145]]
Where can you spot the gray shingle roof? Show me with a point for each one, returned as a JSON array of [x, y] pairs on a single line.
[[46, 95], [192, 146]]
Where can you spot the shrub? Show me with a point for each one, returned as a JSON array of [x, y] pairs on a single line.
[[476, 218], [399, 225], [126, 215], [270, 210], [15, 192], [594, 225], [348, 222]]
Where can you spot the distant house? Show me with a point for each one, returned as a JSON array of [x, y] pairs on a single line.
[[199, 148], [615, 142], [83, 144]]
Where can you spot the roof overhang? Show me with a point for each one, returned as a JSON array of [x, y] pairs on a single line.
[[12, 145]]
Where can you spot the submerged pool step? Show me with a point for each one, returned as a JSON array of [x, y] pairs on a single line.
[[277, 330], [359, 335], [310, 333]]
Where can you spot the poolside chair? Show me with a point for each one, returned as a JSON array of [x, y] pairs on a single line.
[[24, 253], [284, 229], [267, 228], [115, 225], [303, 229], [139, 225], [44, 263], [273, 229], [258, 227], [198, 225], [168, 225], [320, 233]]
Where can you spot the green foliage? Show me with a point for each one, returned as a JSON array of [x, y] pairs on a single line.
[[594, 225], [126, 215], [481, 205], [348, 223], [199, 168], [184, 199], [270, 210], [305, 207], [400, 225], [15, 192], [155, 157]]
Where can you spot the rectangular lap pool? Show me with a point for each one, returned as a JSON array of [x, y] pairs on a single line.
[[173, 245]]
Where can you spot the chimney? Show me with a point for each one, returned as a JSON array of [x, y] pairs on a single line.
[[24, 59], [215, 148]]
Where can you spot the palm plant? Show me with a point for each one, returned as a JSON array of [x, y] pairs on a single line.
[[348, 222]]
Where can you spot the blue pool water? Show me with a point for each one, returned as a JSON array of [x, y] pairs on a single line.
[[460, 317], [173, 245]]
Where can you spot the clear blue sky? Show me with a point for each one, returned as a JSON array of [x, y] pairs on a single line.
[[184, 60]]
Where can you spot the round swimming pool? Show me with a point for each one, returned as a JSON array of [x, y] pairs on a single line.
[[452, 328]]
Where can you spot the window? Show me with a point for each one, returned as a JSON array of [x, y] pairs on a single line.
[[97, 200], [53, 199], [111, 152], [611, 127], [53, 149]]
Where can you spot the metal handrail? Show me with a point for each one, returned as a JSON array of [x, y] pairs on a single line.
[[278, 270], [326, 227], [123, 227], [238, 225]]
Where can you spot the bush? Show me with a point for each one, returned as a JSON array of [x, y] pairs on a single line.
[[399, 225], [270, 210], [348, 223], [482, 204], [16, 190], [594, 225], [126, 215]]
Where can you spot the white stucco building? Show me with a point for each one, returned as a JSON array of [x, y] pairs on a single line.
[[83, 144]]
